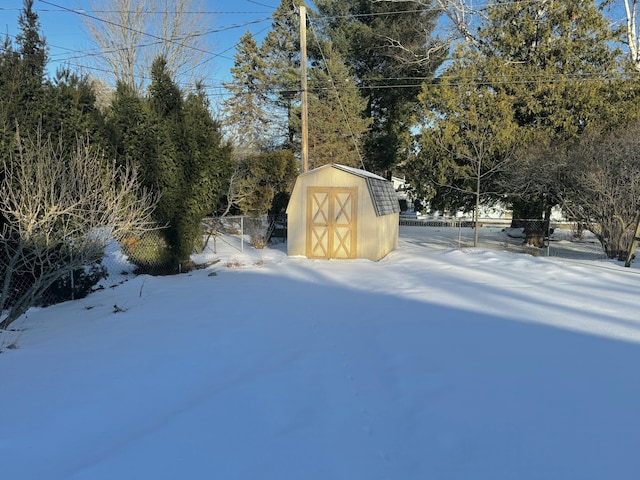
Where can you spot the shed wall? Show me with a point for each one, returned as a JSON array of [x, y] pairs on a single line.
[[376, 236]]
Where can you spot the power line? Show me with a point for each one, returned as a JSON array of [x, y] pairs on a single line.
[[179, 41], [512, 79], [150, 12], [260, 4], [161, 40], [342, 109], [384, 83], [140, 32]]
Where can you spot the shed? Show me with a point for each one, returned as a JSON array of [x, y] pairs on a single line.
[[342, 212]]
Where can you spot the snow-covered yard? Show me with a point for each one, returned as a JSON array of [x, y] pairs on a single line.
[[430, 364]]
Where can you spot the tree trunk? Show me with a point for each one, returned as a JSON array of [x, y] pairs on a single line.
[[528, 215]]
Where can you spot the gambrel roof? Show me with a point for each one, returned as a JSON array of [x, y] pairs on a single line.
[[383, 196]]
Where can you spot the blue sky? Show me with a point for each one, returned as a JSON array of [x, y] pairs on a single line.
[[66, 38], [228, 19]]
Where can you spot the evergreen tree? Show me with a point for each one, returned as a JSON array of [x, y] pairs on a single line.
[[463, 152], [22, 75], [389, 47], [69, 109], [64, 107], [10, 79], [131, 133], [555, 66], [207, 161], [21, 83], [177, 145], [554, 60], [246, 110], [262, 178], [559, 65], [281, 52], [337, 122], [33, 59], [167, 176], [281, 47]]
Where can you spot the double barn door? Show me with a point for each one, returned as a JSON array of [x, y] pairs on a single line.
[[331, 222]]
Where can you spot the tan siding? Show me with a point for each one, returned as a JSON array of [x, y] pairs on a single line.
[[374, 237]]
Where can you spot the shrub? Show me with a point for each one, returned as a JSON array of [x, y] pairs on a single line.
[[61, 208]]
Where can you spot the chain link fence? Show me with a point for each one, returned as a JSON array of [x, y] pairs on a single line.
[[530, 236], [147, 253], [144, 254]]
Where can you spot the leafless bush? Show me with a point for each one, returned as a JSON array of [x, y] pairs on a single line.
[[603, 192], [260, 229], [60, 209]]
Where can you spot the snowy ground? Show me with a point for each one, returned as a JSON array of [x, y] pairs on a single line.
[[434, 363]]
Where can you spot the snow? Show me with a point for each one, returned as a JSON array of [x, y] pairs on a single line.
[[429, 364]]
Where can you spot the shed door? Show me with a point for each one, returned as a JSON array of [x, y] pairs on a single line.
[[331, 222]]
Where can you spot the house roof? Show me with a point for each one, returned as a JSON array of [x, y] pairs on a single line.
[[383, 196]]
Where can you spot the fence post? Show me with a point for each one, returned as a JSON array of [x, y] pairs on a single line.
[[242, 234], [71, 281], [549, 238]]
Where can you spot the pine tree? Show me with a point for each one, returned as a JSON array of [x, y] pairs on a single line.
[[33, 59], [281, 52], [281, 47], [389, 47], [245, 111], [10, 79], [21, 83], [337, 122], [22, 75]]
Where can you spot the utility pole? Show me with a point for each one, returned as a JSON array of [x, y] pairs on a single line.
[[303, 88]]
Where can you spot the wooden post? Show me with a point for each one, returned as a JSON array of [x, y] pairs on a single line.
[[303, 87]]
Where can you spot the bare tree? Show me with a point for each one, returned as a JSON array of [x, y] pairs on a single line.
[[603, 188], [61, 209], [460, 15], [130, 34], [631, 9], [235, 195]]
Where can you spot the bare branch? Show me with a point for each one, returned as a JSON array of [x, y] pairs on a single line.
[[460, 14], [62, 208], [130, 34]]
